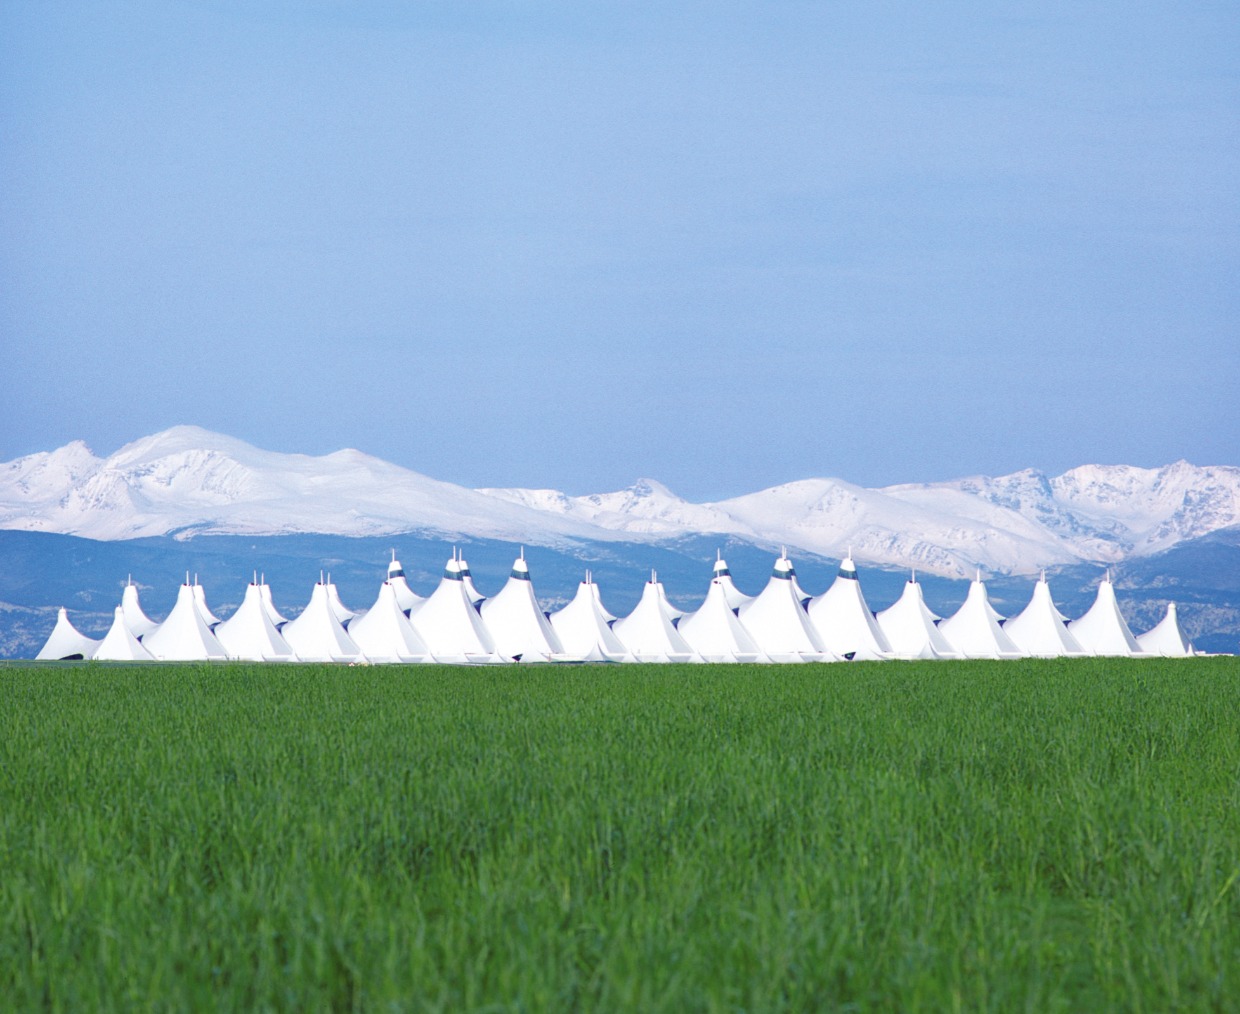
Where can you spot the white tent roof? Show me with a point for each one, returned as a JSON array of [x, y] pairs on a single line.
[[598, 598], [342, 612], [909, 627], [516, 620], [406, 598], [974, 631], [200, 600], [648, 631], [119, 644], [384, 633], [317, 635], [269, 606], [250, 632], [467, 579], [1038, 630], [136, 620], [66, 641], [843, 620], [450, 625], [736, 598], [715, 632], [1167, 638], [583, 628], [777, 620], [1102, 630], [184, 635]]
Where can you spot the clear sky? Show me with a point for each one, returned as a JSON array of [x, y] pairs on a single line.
[[567, 244]]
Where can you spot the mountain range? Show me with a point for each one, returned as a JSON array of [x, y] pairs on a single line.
[[187, 482]]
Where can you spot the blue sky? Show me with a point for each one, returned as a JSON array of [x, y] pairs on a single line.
[[553, 244]]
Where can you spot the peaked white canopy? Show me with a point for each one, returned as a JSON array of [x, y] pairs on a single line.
[[648, 632], [715, 632], [467, 579], [516, 621], [342, 612], [200, 600], [184, 635], [384, 633], [584, 629], [269, 606], [1102, 630], [66, 641], [317, 635], [450, 625], [908, 624], [1167, 638], [974, 630], [136, 620], [777, 621], [1038, 630], [250, 633], [119, 644], [406, 598], [844, 622], [610, 617], [736, 598]]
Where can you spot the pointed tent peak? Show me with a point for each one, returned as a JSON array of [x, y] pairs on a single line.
[[62, 613], [394, 569], [783, 568], [452, 569], [520, 569], [1171, 608], [848, 569]]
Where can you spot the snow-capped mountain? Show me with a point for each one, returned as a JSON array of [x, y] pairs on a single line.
[[187, 481]]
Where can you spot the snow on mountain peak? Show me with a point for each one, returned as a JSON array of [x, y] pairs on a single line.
[[190, 480]]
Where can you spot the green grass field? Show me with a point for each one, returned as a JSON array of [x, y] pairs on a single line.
[[1038, 835]]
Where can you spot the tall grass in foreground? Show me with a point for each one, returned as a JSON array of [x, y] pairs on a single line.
[[1038, 835]]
